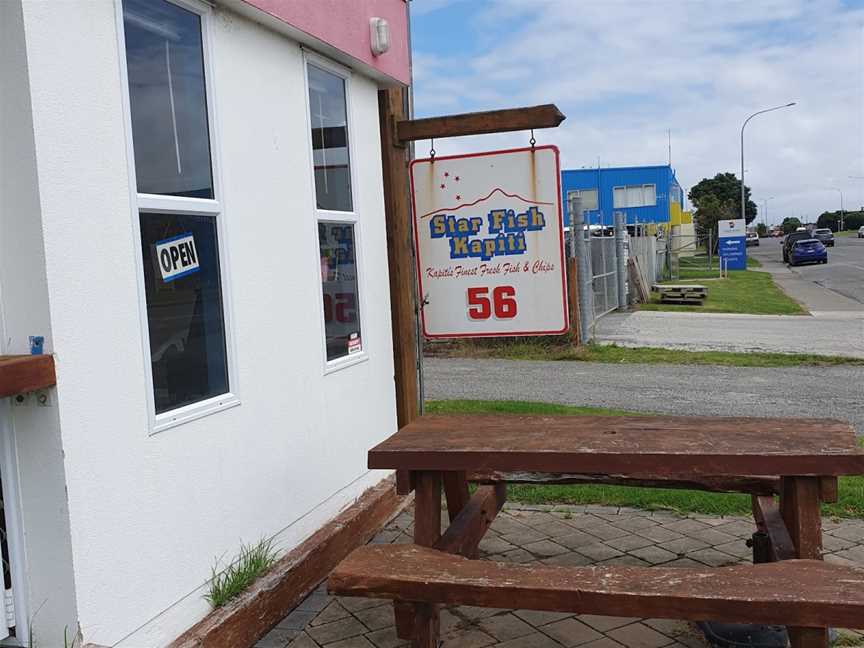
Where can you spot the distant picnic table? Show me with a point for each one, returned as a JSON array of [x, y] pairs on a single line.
[[797, 459]]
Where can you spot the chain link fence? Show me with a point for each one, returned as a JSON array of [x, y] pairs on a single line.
[[603, 267]]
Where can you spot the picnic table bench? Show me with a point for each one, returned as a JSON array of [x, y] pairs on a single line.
[[798, 459]]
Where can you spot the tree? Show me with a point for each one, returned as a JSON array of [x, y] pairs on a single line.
[[762, 229], [790, 224], [711, 209], [725, 187], [851, 220]]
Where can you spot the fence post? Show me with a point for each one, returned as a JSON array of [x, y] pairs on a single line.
[[620, 259], [583, 272]]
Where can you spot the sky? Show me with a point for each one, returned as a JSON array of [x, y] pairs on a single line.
[[626, 72]]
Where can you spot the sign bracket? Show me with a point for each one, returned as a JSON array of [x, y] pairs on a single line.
[[479, 123]]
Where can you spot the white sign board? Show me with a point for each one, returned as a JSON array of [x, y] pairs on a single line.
[[177, 257], [733, 227], [490, 243]]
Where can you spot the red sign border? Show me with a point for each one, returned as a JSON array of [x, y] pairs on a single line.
[[438, 336]]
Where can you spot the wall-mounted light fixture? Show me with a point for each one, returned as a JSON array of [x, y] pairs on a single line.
[[380, 31]]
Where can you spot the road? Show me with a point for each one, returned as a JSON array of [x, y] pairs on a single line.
[[842, 275], [833, 392]]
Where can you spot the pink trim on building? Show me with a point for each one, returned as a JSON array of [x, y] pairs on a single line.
[[344, 24]]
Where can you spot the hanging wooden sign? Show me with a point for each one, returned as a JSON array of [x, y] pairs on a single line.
[[490, 243]]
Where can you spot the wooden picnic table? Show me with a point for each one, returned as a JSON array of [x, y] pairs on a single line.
[[801, 459]]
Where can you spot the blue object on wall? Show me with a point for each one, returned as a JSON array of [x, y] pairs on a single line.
[[666, 189], [36, 344]]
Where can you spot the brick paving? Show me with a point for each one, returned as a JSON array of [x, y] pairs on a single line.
[[557, 535]]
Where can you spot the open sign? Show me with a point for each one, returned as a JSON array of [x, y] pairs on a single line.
[[177, 257]]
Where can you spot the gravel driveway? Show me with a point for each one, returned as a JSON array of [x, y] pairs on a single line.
[[834, 392]]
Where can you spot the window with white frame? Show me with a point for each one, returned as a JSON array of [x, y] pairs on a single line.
[[634, 196], [177, 202], [588, 196], [334, 211]]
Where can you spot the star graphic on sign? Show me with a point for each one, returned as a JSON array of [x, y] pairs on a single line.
[[449, 193]]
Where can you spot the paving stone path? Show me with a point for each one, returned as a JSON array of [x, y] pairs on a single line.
[[559, 535]]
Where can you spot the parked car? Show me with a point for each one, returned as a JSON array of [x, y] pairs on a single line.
[[752, 239], [809, 250], [826, 236], [790, 240], [861, 232]]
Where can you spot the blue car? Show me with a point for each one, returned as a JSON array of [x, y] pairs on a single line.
[[808, 251]]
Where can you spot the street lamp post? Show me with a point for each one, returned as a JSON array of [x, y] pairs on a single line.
[[842, 215], [760, 112], [765, 215]]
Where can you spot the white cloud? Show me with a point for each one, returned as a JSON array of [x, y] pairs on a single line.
[[623, 72]]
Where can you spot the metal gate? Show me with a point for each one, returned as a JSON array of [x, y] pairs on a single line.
[[604, 279], [688, 252]]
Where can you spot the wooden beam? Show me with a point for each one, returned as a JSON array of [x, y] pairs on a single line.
[[768, 519], [467, 530], [456, 491], [425, 627], [273, 595], [829, 490], [800, 508], [25, 373], [752, 485], [400, 260], [404, 482], [811, 593], [799, 505], [478, 123]]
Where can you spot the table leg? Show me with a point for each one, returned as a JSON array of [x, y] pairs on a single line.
[[456, 490], [427, 530], [800, 508]]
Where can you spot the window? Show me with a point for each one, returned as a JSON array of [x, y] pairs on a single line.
[[167, 97], [334, 212], [634, 196], [328, 115], [339, 283], [588, 196], [178, 210]]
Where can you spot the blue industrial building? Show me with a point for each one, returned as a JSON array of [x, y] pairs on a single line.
[[646, 194]]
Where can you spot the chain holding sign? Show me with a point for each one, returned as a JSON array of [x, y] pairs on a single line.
[[490, 243]]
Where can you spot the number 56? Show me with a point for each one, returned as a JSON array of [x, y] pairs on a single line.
[[503, 303]]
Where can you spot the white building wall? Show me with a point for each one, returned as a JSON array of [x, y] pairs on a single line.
[[149, 514], [30, 434]]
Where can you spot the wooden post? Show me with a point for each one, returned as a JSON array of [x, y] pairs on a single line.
[[397, 215], [799, 506]]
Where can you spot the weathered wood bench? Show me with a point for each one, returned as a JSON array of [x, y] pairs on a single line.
[[806, 593], [801, 458]]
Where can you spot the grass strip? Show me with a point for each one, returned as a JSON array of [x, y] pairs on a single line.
[[743, 291], [849, 505], [553, 349]]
